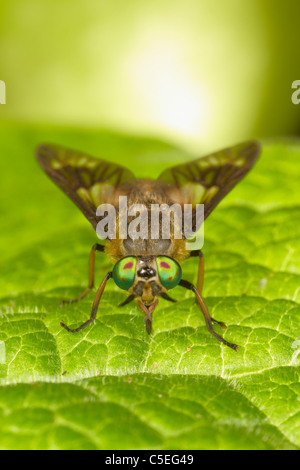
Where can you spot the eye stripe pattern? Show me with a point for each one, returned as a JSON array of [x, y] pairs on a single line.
[[124, 272], [169, 271]]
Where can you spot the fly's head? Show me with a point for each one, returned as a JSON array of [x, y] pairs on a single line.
[[147, 279]]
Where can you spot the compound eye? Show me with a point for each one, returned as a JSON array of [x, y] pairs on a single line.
[[169, 271], [124, 272]]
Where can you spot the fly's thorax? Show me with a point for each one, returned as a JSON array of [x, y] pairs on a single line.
[[152, 231], [118, 249], [146, 247]]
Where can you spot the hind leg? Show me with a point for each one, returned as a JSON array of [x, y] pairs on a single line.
[[200, 283], [95, 248]]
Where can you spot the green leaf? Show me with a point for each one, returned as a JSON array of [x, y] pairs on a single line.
[[112, 386]]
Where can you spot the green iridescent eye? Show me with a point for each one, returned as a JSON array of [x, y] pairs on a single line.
[[169, 271], [124, 272]]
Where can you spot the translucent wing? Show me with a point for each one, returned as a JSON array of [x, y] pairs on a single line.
[[208, 179], [88, 181]]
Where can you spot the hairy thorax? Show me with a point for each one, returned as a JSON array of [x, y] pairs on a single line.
[[147, 192]]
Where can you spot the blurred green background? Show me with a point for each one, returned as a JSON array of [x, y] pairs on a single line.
[[203, 74]]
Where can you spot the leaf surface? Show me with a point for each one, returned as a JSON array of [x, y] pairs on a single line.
[[113, 386]]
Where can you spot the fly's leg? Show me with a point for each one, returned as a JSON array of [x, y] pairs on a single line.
[[94, 308], [95, 248], [200, 283], [200, 269], [207, 317]]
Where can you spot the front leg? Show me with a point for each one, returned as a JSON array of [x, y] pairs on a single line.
[[95, 248]]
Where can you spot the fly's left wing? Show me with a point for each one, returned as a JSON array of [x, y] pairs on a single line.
[[88, 181], [208, 179]]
